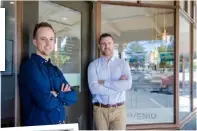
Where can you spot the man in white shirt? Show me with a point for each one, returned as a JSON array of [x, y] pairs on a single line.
[[109, 78]]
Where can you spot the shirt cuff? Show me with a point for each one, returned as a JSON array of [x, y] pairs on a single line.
[[60, 94]]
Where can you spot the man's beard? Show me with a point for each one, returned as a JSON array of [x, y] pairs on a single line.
[[104, 52]]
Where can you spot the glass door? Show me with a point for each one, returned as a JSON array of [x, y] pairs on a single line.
[[70, 21]]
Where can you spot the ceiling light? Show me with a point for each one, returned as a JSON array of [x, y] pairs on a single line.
[[64, 18], [12, 2], [164, 36]]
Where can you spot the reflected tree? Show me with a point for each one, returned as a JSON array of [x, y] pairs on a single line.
[[136, 47]]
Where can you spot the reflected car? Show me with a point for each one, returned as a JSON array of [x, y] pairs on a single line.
[[167, 82]]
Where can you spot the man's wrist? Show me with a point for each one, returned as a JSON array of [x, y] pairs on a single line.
[[57, 93], [101, 82]]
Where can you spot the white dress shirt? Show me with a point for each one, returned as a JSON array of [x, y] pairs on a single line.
[[113, 90]]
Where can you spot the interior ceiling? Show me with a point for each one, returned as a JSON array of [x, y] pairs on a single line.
[[65, 21], [117, 20], [125, 22], [161, 2], [10, 19]]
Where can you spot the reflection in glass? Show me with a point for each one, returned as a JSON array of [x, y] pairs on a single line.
[[184, 69], [67, 25], [189, 6], [194, 11], [151, 65], [195, 68], [8, 77], [167, 2], [151, 59]]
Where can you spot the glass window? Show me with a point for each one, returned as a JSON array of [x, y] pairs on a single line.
[[8, 76], [148, 47], [194, 11], [167, 2], [67, 25], [186, 6], [189, 8], [132, 1], [184, 69], [195, 68], [182, 4]]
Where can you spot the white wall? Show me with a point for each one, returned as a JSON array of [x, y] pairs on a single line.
[[0, 88]]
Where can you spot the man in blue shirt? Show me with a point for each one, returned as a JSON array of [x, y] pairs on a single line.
[[42, 87]]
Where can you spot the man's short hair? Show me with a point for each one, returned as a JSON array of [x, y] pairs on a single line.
[[105, 35], [40, 25]]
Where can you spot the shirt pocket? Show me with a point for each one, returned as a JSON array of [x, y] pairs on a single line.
[[116, 73], [102, 73]]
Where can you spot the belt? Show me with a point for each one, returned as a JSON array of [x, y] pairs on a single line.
[[108, 105]]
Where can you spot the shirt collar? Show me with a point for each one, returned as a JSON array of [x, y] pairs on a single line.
[[39, 59], [111, 59]]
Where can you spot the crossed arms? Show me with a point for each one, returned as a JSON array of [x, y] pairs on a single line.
[[31, 78], [102, 87]]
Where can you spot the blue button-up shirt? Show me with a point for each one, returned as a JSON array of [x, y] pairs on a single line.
[[37, 78], [113, 90]]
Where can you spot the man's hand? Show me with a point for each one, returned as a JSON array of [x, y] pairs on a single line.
[[123, 77], [54, 93], [101, 82], [65, 88]]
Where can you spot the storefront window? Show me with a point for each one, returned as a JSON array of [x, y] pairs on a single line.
[[67, 25], [186, 6], [144, 37], [184, 69], [167, 2], [195, 13], [195, 68], [182, 4], [189, 8], [8, 77]]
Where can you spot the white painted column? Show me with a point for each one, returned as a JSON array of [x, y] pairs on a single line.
[[0, 92], [0, 73]]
